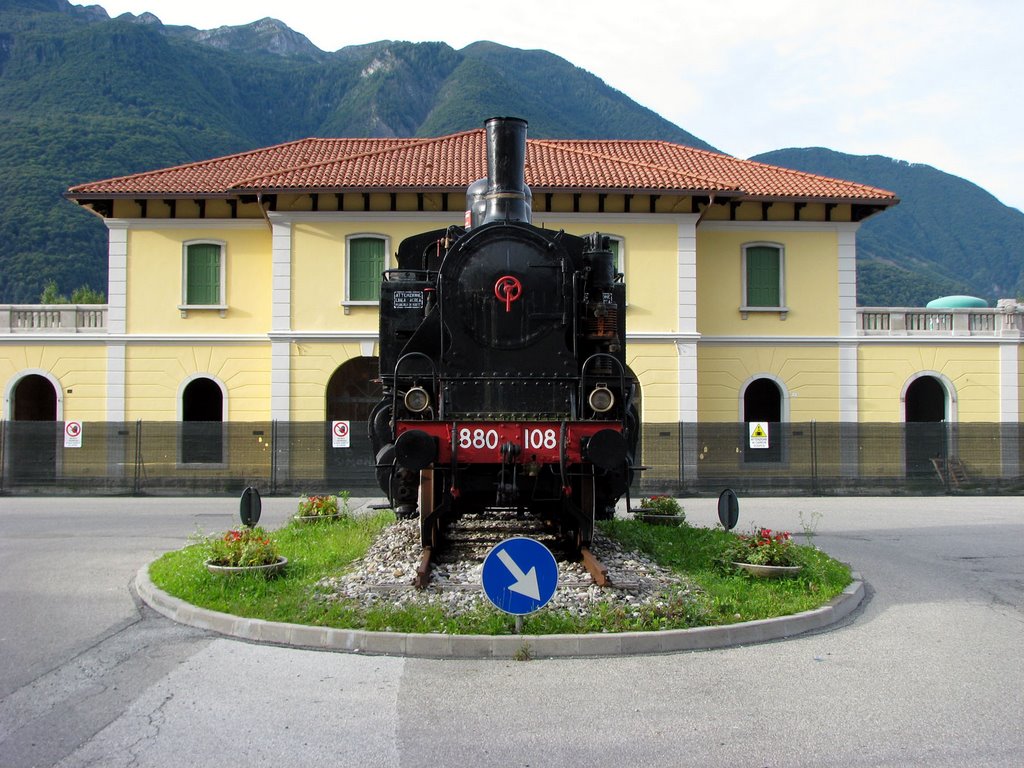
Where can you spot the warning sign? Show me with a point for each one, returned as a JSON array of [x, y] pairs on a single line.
[[72, 434], [758, 434], [339, 434]]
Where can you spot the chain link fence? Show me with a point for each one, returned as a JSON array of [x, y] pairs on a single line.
[[291, 458]]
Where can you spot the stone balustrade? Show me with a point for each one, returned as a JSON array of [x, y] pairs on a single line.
[[53, 318]]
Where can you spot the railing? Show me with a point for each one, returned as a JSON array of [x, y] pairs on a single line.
[[1005, 321], [53, 318], [292, 458]]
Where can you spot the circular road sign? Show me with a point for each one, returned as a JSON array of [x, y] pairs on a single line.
[[519, 575]]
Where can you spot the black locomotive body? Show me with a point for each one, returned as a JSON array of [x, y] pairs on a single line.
[[502, 358]]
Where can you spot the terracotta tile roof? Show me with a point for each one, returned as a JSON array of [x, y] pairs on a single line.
[[451, 163]]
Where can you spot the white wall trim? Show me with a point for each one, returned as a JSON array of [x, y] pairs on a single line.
[[117, 276], [1009, 383], [848, 283], [116, 382], [849, 410], [280, 380], [281, 276]]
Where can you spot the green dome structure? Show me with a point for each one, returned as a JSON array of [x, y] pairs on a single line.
[[957, 302]]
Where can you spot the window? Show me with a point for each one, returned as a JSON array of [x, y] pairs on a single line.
[[365, 263], [202, 280], [763, 279]]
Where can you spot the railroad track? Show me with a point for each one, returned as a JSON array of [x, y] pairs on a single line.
[[474, 534]]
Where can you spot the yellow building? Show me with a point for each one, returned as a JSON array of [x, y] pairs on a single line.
[[243, 290]]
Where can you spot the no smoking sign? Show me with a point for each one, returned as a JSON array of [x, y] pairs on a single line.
[[339, 434], [73, 434]]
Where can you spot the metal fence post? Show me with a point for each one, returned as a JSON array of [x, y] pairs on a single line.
[[273, 456], [136, 486]]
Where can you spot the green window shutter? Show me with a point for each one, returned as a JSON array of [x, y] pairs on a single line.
[[203, 274], [365, 264], [763, 273]]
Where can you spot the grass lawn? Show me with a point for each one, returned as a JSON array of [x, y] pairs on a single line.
[[721, 594]]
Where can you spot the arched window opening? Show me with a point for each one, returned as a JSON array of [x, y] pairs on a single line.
[[35, 399], [34, 435], [762, 403], [926, 439], [926, 400], [202, 429]]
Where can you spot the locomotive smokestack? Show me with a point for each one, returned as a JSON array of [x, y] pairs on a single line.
[[507, 197]]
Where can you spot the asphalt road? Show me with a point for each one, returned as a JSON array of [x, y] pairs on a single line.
[[927, 672]]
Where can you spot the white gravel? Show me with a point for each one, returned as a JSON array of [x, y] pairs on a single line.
[[386, 573]]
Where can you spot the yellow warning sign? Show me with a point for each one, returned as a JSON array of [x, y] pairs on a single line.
[[758, 434]]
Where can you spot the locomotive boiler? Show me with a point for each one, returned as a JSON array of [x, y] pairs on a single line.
[[502, 359]]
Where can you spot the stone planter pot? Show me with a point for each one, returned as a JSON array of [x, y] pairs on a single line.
[[268, 570], [769, 571]]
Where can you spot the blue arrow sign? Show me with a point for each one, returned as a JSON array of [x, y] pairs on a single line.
[[519, 575]]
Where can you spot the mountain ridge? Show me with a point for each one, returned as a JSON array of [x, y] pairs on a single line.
[[84, 96]]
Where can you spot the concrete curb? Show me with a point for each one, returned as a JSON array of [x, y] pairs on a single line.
[[439, 646]]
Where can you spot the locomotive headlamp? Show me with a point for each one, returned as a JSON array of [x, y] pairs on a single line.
[[417, 400], [601, 399]]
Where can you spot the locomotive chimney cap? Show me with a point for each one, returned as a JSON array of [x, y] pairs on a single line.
[[506, 197]]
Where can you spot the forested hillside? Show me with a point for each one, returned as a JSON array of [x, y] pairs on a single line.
[[86, 97], [947, 236]]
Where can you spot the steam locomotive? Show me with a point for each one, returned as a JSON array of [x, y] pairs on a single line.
[[502, 359]]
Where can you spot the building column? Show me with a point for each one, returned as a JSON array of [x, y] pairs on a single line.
[[281, 318], [117, 318], [1009, 409], [686, 344], [849, 395]]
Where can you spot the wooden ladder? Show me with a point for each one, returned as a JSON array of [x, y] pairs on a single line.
[[954, 467]]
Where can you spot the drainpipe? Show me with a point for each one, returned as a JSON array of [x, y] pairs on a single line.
[[266, 218], [711, 201]]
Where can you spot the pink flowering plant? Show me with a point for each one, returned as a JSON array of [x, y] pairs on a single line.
[[243, 547], [764, 547]]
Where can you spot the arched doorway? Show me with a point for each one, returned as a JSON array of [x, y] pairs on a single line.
[[925, 411], [34, 432], [34, 399], [352, 391], [202, 417], [763, 402]]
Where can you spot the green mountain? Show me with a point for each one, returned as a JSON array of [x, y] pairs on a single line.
[[947, 236], [86, 97]]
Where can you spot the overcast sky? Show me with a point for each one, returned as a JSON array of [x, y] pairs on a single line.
[[927, 81]]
